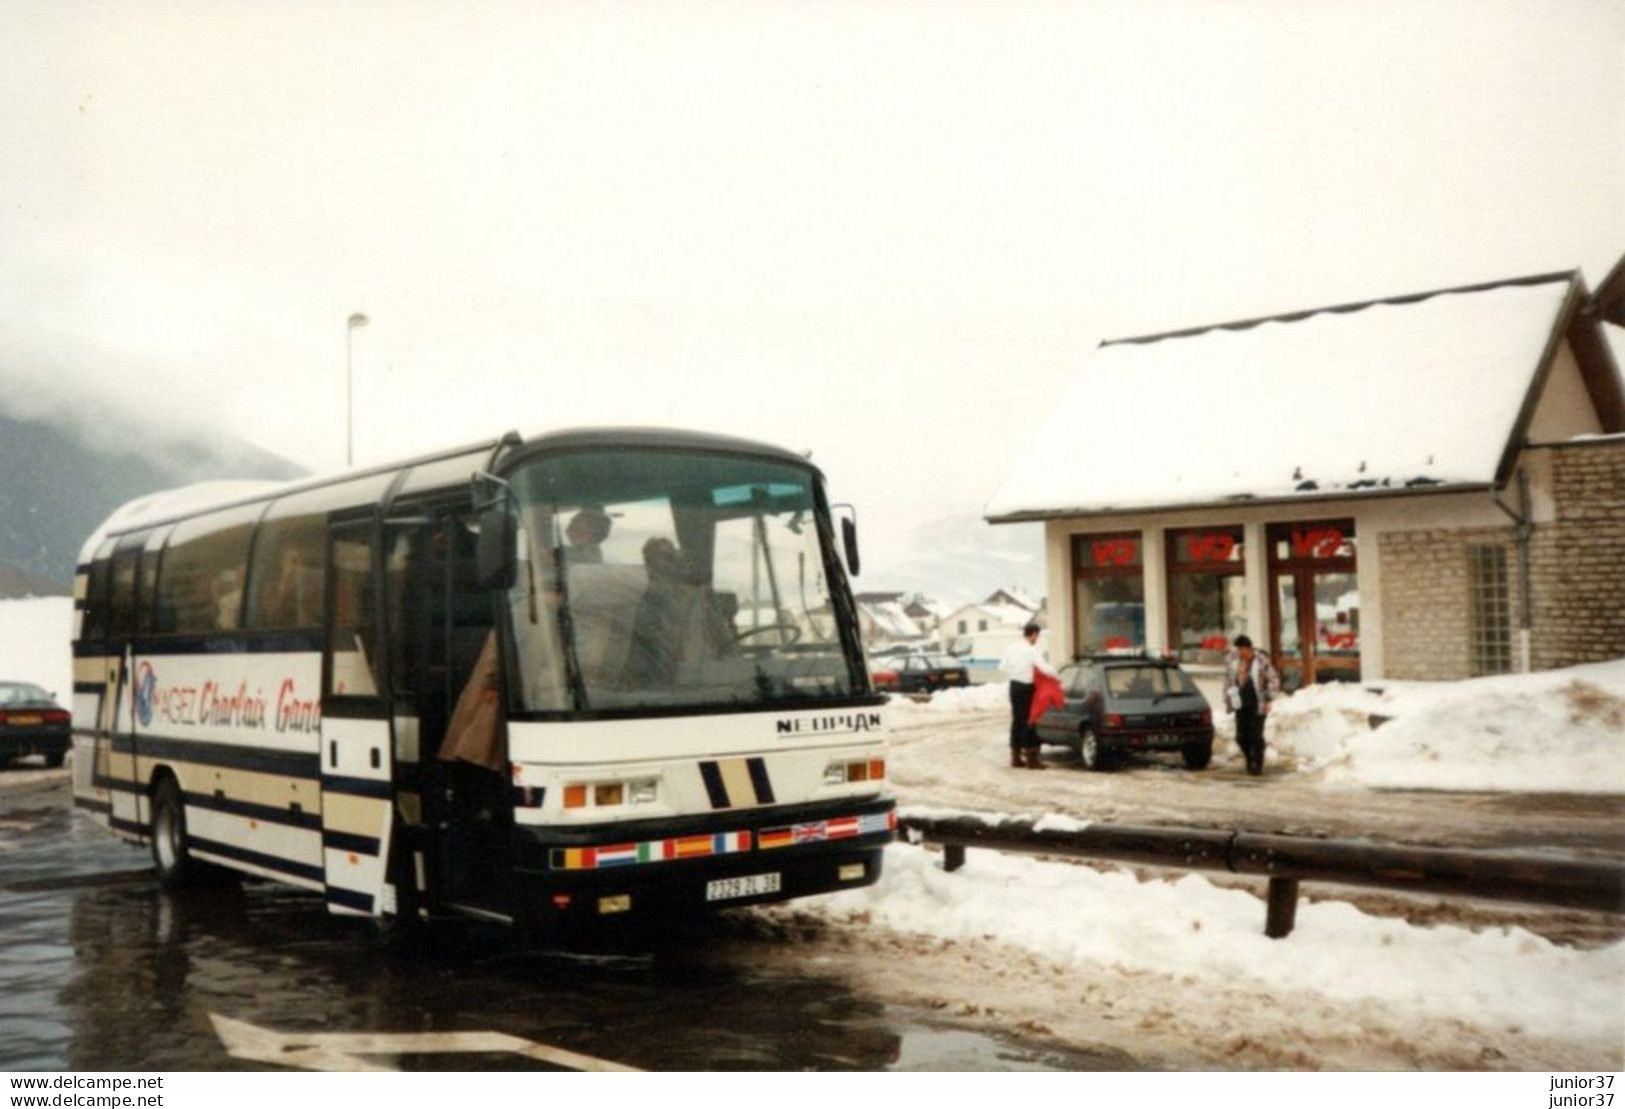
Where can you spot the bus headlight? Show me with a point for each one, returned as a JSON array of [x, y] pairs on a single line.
[[639, 791], [865, 770]]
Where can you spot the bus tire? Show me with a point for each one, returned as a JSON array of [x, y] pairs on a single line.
[[171, 850], [56, 759]]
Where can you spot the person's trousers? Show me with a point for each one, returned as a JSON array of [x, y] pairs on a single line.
[[1250, 737], [1021, 704]]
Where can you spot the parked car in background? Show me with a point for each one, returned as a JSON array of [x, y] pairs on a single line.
[[1118, 704], [920, 674], [32, 723]]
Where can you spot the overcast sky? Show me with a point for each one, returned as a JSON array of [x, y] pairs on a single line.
[[885, 232]]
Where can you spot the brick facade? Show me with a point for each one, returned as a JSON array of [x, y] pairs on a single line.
[[1577, 566], [1576, 576], [1425, 599]]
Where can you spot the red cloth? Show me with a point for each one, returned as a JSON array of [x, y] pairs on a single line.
[[1047, 694]]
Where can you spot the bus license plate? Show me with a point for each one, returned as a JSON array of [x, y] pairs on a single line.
[[30, 718], [726, 889]]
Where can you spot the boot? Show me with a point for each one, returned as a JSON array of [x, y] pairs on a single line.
[[1033, 761], [1015, 758]]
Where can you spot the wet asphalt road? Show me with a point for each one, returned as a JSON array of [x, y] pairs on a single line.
[[102, 970]]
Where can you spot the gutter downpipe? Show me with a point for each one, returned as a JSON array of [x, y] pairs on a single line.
[[1524, 529]]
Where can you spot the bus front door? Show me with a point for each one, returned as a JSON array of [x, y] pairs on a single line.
[[454, 795], [357, 763]]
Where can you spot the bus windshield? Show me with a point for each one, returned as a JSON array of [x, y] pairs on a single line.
[[651, 579]]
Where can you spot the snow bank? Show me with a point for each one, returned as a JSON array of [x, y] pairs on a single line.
[[1558, 731], [35, 643], [994, 696], [1077, 916]]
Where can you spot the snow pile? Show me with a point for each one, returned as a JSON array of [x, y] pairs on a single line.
[[993, 696], [35, 643], [1077, 916], [1558, 731]]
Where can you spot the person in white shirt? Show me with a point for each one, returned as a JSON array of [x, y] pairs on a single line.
[[1018, 663]]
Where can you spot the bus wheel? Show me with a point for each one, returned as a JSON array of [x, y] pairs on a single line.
[[56, 759], [170, 853]]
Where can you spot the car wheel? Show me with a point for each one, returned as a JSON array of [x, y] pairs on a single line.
[[1198, 755], [56, 759], [1090, 752]]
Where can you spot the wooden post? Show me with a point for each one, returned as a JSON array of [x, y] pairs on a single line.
[[1282, 911], [953, 856]]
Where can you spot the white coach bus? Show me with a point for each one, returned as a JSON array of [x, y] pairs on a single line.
[[531, 681]]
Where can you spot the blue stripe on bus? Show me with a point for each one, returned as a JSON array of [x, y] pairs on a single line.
[[93, 805], [306, 641], [231, 756], [310, 821], [759, 779], [358, 787], [349, 841], [256, 858], [350, 899]]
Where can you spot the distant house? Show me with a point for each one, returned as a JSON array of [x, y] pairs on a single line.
[[884, 623], [926, 613], [1428, 486], [1012, 597]]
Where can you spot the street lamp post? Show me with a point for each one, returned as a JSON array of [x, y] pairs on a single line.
[[357, 319]]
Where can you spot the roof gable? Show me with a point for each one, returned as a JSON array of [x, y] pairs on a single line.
[[1423, 391]]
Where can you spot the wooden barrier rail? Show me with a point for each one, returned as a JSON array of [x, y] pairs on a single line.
[[1288, 860]]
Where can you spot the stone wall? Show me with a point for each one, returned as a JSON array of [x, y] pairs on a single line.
[[1577, 565], [1576, 577], [1425, 604]]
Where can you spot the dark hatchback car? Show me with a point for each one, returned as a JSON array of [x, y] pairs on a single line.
[[920, 673], [32, 723], [1117, 705]]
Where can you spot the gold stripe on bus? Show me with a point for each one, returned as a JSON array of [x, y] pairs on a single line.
[[360, 816], [272, 791], [736, 780], [93, 670]]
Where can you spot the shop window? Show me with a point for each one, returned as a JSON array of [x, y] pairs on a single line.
[[1489, 610], [1207, 597], [1108, 593]]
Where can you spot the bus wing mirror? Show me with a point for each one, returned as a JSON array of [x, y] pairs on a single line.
[[494, 561], [849, 539]]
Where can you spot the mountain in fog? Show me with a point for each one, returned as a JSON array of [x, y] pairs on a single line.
[[60, 477]]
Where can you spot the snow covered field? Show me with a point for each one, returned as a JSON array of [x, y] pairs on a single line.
[[34, 643], [1346, 989]]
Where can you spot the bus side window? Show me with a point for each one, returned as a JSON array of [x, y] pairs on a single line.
[[121, 619], [201, 587], [146, 598], [352, 672], [286, 577], [98, 587]]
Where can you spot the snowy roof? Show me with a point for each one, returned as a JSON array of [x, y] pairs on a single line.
[[891, 620], [1420, 391]]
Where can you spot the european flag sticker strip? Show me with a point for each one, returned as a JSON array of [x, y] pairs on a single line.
[[650, 851], [720, 843], [820, 831]]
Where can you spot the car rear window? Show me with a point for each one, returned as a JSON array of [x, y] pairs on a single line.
[[1146, 681], [21, 693]]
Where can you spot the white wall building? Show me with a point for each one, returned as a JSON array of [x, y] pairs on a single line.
[[1389, 489]]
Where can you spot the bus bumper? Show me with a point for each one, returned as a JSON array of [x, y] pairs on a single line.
[[694, 865]]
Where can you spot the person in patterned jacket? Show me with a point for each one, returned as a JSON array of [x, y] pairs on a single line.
[[1250, 687]]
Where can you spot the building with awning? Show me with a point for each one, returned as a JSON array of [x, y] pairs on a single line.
[[1423, 486]]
